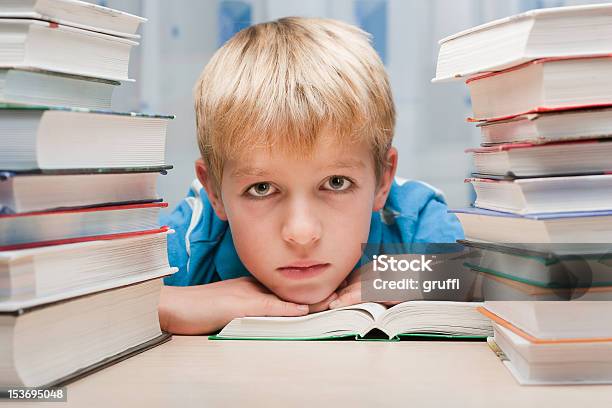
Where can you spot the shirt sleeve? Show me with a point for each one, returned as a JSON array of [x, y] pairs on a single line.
[[417, 212], [198, 233], [436, 224]]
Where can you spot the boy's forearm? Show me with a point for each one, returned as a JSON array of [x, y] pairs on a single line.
[[181, 311], [204, 309], [165, 307]]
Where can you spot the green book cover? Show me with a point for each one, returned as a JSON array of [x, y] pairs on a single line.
[[399, 337]]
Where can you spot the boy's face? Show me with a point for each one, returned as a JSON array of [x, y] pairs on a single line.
[[298, 223]]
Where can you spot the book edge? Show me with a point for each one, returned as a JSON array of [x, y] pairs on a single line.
[[104, 363]]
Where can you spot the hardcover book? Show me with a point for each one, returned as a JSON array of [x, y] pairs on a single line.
[[64, 340], [36, 87], [57, 138], [542, 33], [544, 85], [536, 359], [549, 127], [563, 227], [43, 190], [29, 230], [75, 13], [544, 194], [39, 275], [26, 44], [552, 159], [433, 319]]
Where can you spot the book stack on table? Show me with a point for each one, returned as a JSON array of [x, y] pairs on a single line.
[[542, 98], [81, 251]]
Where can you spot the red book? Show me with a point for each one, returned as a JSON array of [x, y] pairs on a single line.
[[39, 275], [544, 85], [44, 228]]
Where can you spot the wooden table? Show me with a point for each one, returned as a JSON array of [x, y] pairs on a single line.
[[193, 371]]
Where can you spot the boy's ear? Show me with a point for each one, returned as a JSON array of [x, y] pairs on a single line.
[[386, 179], [215, 200]]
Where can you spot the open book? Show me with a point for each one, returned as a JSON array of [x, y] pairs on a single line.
[[368, 320]]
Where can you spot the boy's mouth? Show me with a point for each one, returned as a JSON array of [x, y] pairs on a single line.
[[303, 269]]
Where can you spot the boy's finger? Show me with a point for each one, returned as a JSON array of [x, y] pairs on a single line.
[[272, 306], [353, 287], [346, 299], [324, 304]]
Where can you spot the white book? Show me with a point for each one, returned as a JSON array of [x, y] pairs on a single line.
[[36, 87], [510, 41], [74, 13], [544, 194], [549, 127], [556, 319], [60, 189], [44, 228], [31, 277], [62, 341], [27, 43], [554, 228], [54, 138], [552, 159], [542, 86], [426, 318], [554, 364]]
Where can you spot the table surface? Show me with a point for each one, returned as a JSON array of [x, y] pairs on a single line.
[[194, 371]]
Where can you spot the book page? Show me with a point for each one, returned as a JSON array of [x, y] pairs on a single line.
[[350, 320], [374, 310]]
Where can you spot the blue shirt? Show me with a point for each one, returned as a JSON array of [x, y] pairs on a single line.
[[203, 250]]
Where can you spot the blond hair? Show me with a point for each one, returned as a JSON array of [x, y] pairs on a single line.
[[278, 84]]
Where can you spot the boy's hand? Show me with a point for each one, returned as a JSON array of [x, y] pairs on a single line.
[[323, 305], [349, 292], [207, 308]]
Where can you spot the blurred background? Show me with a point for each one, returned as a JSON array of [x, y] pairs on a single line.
[[431, 133]]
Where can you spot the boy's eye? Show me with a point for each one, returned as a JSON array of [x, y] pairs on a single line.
[[337, 183], [261, 190]]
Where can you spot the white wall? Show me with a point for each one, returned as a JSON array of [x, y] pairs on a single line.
[[431, 131]]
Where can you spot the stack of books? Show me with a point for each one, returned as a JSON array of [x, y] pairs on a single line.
[[542, 220], [81, 251], [553, 342]]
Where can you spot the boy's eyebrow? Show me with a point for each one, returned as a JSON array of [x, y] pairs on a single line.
[[249, 171], [259, 172]]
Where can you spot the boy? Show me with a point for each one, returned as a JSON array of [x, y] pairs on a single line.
[[295, 121]]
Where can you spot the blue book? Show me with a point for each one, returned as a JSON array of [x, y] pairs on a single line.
[[534, 216], [579, 227]]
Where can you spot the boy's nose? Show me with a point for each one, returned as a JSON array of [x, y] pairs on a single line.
[[302, 227]]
